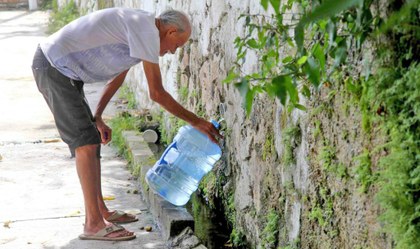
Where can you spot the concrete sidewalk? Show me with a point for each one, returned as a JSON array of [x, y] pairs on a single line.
[[41, 204]]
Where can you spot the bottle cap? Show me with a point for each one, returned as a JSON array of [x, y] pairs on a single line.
[[215, 123]]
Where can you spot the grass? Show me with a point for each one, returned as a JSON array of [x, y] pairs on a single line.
[[59, 17]]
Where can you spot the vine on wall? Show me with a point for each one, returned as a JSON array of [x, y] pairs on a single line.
[[304, 43]]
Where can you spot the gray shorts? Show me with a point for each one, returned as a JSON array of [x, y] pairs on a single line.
[[66, 99]]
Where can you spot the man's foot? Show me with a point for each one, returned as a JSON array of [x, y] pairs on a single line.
[[111, 232], [121, 217]]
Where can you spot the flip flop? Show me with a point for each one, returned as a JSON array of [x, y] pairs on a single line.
[[101, 235], [118, 214]]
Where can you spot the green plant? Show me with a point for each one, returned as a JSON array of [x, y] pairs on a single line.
[[46, 5], [103, 4], [208, 187], [268, 148], [285, 76], [120, 123], [329, 162], [183, 93], [322, 210], [399, 176], [317, 129], [127, 94], [59, 17], [392, 93], [236, 237], [271, 230], [291, 139], [317, 215], [363, 172]]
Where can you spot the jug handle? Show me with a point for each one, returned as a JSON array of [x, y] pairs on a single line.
[[162, 161]]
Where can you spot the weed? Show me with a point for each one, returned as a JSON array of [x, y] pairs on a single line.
[[363, 172], [317, 130], [322, 211], [271, 230], [291, 140], [236, 237], [268, 148], [103, 4], [328, 160], [128, 95], [59, 17], [183, 94]]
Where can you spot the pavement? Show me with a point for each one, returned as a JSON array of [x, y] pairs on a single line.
[[41, 204]]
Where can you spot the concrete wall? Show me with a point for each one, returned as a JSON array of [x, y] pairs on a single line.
[[316, 208]]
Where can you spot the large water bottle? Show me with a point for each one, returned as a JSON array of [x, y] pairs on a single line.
[[176, 175]]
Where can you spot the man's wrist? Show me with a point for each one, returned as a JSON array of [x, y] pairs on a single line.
[[97, 118]]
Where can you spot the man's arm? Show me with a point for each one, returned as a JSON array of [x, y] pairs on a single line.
[[161, 96], [109, 90]]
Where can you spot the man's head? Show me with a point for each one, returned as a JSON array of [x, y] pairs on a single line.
[[174, 30]]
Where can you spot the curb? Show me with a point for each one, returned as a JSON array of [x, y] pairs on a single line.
[[172, 219]]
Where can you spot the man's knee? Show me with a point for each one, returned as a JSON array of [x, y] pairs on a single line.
[[89, 150]]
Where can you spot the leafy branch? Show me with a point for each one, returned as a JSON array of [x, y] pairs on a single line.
[[305, 65]]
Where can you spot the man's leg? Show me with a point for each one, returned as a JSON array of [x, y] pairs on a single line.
[[87, 168], [101, 204]]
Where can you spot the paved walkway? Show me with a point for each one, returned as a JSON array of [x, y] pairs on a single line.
[[41, 204]]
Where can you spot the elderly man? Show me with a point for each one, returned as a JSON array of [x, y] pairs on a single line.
[[102, 46]]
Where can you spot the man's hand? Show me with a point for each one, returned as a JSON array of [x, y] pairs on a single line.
[[207, 128], [104, 130]]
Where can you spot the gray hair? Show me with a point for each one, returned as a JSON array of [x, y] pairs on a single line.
[[177, 18]]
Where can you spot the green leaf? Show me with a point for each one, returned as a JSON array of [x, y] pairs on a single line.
[[276, 5], [300, 107], [243, 87], [329, 8], [247, 20], [299, 36], [302, 60], [292, 90], [264, 3], [290, 42], [323, 24], [332, 32], [231, 76], [312, 70], [262, 37], [340, 55], [287, 59], [305, 91], [278, 88], [318, 52], [253, 43], [249, 99]]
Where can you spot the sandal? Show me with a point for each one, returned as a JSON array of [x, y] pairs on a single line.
[[101, 234], [118, 214]]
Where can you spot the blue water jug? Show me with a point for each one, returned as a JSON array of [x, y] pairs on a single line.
[[176, 175]]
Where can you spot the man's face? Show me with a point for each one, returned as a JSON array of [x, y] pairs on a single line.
[[173, 40]]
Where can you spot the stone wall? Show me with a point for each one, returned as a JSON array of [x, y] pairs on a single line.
[[314, 196]]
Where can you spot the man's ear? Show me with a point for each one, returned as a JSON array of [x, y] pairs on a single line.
[[172, 30]]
